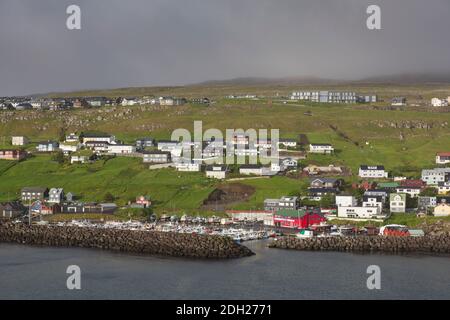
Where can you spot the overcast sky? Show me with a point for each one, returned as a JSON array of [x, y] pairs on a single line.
[[172, 42]]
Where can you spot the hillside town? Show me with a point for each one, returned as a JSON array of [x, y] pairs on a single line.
[[370, 195]]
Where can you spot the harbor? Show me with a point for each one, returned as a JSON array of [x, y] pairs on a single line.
[[235, 232], [151, 242]]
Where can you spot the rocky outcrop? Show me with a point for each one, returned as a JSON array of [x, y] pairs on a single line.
[[427, 244], [437, 228], [144, 242], [409, 124]]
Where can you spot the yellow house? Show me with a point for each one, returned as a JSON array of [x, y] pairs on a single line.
[[442, 210]]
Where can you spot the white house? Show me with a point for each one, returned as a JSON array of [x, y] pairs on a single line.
[[443, 157], [323, 148], [67, 148], [372, 172], [171, 101], [168, 145], [412, 191], [47, 146], [121, 149], [442, 210], [373, 201], [216, 171], [99, 138], [444, 187], [19, 140], [243, 152], [359, 212], [78, 159], [277, 167], [346, 201], [55, 195], [397, 202], [287, 142], [289, 163], [377, 193], [72, 137], [128, 102], [251, 169], [432, 177], [98, 147], [436, 102], [188, 167], [398, 102]]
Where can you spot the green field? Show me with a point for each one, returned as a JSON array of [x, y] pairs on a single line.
[[404, 141]]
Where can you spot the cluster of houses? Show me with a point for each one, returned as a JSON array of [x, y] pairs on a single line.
[[284, 212], [332, 97], [380, 197], [378, 201], [39, 201], [43, 103], [352, 97], [438, 102], [171, 152]]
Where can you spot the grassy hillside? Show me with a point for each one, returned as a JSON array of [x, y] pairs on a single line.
[[405, 141]]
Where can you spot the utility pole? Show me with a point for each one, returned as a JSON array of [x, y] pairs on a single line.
[[29, 211]]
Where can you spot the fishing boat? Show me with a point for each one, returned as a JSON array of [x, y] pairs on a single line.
[[397, 230]]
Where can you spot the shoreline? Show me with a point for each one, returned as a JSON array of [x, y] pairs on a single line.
[[140, 242]]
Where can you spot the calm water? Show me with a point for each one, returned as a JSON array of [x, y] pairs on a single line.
[[39, 272]]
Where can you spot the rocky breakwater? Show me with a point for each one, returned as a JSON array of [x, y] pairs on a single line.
[[143, 242], [390, 244]]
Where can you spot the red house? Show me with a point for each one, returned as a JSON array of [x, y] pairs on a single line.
[[417, 183], [364, 185], [143, 201], [301, 219], [12, 154]]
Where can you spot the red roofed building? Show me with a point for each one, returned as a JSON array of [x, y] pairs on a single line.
[[412, 183], [365, 185], [300, 219], [12, 154], [443, 157]]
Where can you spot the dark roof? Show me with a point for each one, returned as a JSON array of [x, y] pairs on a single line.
[[297, 213], [366, 167], [366, 197], [34, 189], [287, 140], [409, 187], [322, 190], [96, 135], [222, 167], [375, 191], [250, 166], [96, 142], [324, 180], [156, 152]]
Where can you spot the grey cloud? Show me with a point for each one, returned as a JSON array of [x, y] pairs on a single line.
[[169, 42]]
